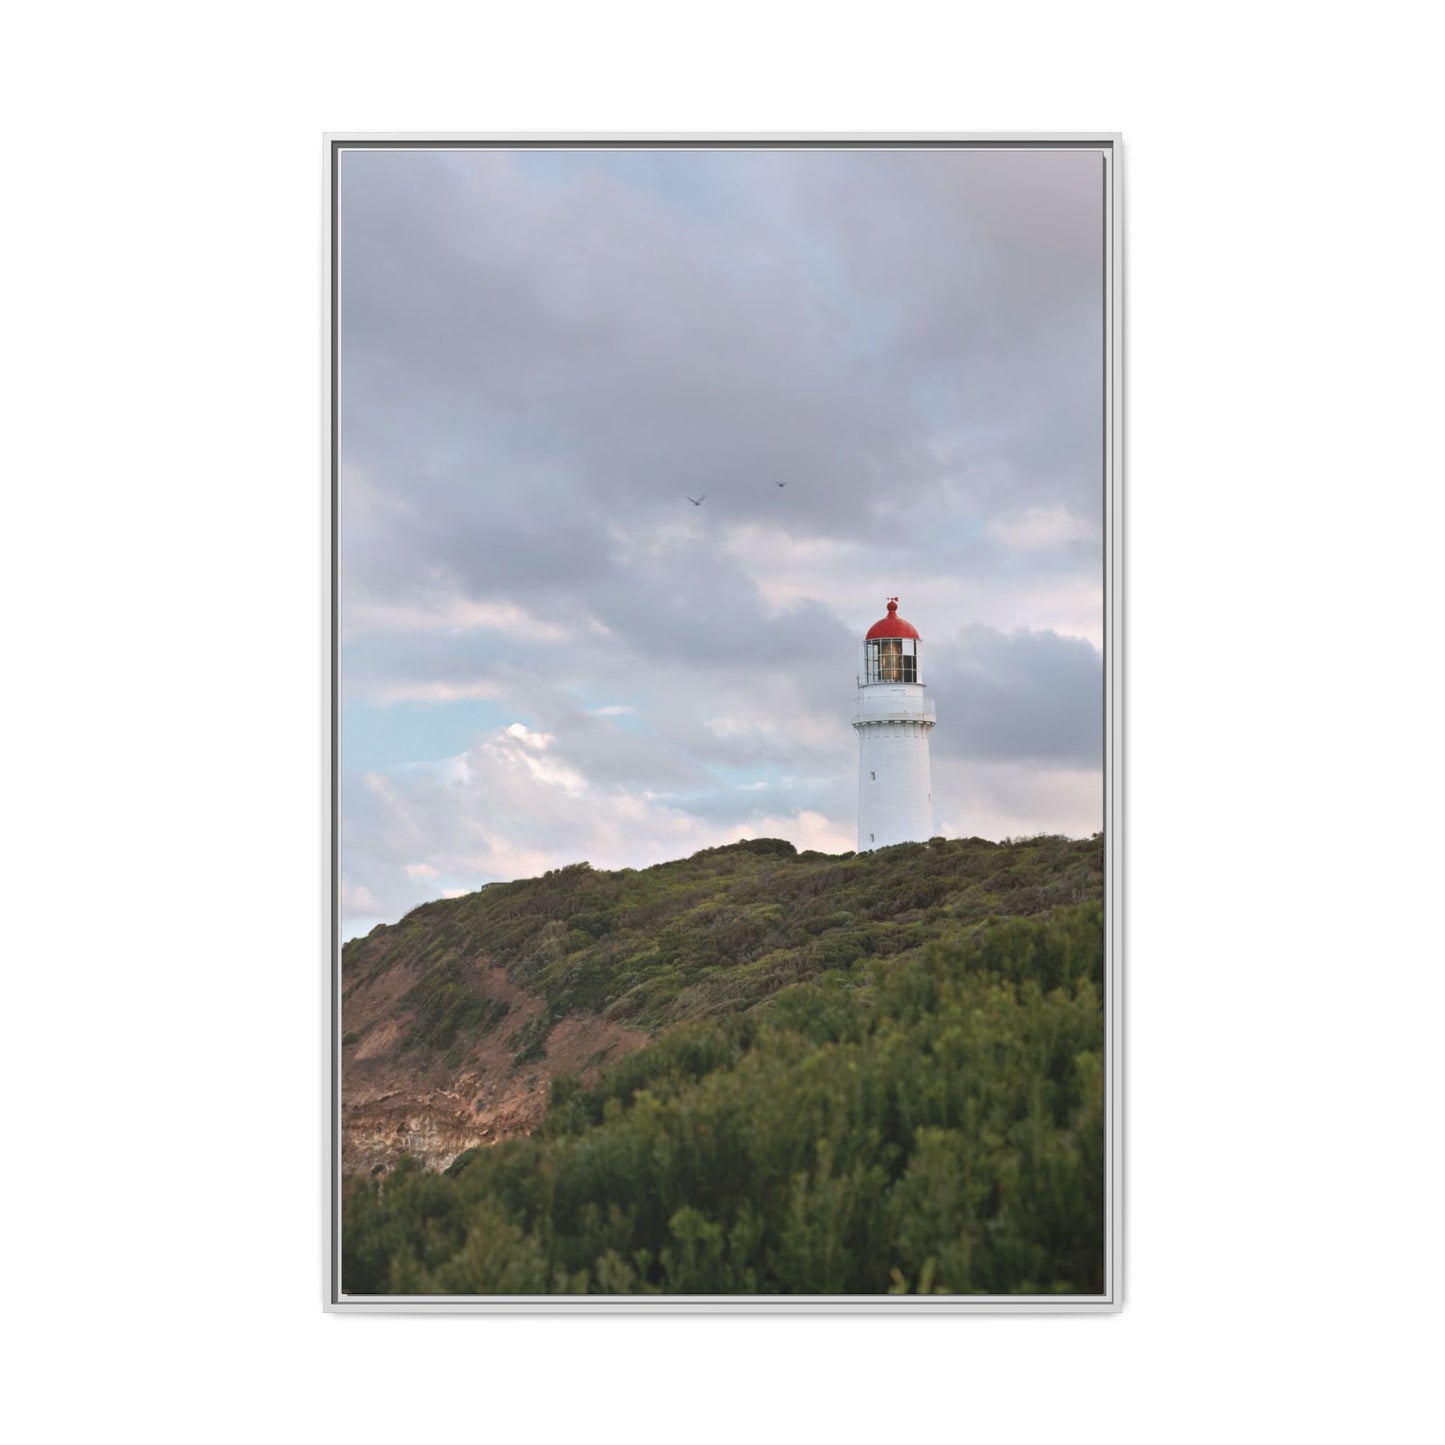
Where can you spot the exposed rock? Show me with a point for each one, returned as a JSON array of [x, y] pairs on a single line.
[[396, 1101]]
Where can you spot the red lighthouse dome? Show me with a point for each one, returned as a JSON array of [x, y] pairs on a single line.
[[892, 625]]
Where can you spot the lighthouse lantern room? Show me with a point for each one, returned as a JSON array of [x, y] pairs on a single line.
[[893, 718]]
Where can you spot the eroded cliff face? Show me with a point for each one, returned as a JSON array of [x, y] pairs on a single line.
[[397, 1100]]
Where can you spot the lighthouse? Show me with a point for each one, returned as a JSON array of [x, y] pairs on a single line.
[[893, 719]]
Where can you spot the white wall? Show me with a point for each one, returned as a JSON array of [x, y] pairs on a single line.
[[1284, 299], [895, 790]]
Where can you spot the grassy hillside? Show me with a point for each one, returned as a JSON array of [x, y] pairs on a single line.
[[707, 935], [867, 1074]]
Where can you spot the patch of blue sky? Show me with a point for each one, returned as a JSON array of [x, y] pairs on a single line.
[[375, 737], [696, 181], [757, 782], [630, 713]]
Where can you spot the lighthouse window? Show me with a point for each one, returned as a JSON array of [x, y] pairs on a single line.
[[892, 659]]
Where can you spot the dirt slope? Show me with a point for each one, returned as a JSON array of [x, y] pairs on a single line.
[[396, 1102]]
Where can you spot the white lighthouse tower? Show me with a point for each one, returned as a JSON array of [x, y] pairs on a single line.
[[893, 718]]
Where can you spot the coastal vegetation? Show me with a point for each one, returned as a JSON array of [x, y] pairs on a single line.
[[871, 1074]]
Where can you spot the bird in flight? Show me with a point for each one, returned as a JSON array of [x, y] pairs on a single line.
[[698, 501], [782, 484]]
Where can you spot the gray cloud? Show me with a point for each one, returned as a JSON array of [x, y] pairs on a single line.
[[862, 326], [1031, 696]]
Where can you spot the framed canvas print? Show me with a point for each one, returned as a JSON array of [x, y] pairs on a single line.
[[724, 750]]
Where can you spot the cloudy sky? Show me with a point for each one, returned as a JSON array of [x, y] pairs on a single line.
[[548, 654]]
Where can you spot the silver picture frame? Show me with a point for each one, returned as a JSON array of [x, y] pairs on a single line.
[[1108, 146]]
